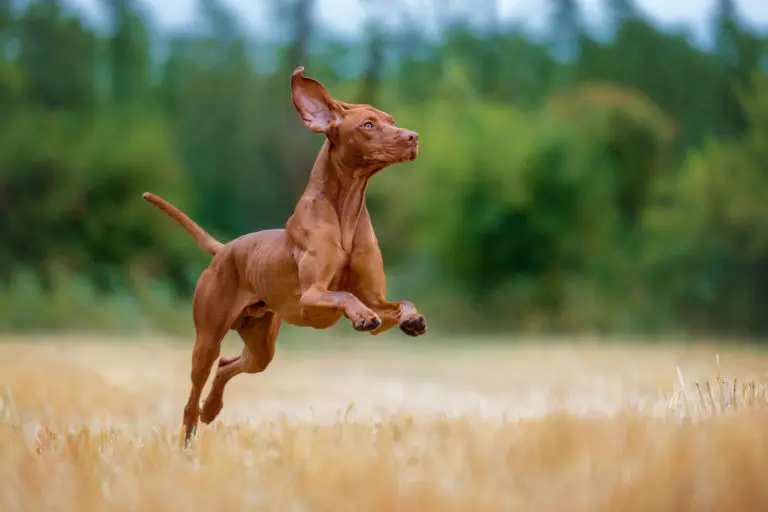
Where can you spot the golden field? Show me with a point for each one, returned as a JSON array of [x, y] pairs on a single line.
[[92, 424]]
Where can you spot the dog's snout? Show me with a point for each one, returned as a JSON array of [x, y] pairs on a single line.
[[410, 136]]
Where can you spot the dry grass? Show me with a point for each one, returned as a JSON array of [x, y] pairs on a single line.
[[94, 426]]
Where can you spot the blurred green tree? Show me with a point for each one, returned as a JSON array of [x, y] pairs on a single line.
[[129, 51], [708, 232], [567, 181], [56, 56]]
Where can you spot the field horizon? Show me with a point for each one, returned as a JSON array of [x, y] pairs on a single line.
[[91, 422]]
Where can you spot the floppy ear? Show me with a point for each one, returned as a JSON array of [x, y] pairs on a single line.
[[313, 103]]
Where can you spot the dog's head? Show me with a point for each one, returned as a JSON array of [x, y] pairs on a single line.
[[363, 136]]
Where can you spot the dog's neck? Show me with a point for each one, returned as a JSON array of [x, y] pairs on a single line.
[[341, 187]]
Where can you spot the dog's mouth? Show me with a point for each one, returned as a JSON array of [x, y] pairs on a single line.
[[402, 154], [411, 153]]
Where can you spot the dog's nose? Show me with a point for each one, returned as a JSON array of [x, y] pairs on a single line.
[[410, 136]]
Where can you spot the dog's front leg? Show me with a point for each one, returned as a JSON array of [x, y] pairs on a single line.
[[402, 313], [316, 270], [369, 283]]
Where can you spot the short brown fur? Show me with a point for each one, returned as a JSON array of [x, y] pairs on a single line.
[[324, 265]]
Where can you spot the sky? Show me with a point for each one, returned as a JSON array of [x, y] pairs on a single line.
[[346, 16]]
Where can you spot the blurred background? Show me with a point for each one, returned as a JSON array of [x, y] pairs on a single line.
[[585, 167]]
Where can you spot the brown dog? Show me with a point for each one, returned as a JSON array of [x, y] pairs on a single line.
[[325, 263]]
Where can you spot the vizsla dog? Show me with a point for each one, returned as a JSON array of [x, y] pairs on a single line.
[[324, 265]]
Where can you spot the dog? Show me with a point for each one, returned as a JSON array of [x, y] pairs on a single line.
[[324, 264]]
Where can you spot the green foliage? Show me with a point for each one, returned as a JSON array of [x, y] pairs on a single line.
[[515, 197], [71, 195], [573, 184], [708, 237], [70, 302], [56, 56]]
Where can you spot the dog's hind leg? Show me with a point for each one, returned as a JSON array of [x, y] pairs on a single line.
[[204, 354], [259, 336], [214, 310]]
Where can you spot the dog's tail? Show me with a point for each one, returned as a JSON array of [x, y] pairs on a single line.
[[203, 239]]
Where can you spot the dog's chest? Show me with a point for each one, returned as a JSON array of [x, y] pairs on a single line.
[[342, 280]]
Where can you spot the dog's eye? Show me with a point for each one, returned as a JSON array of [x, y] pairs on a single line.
[[368, 125]]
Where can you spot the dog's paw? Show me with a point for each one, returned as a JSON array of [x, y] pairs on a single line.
[[413, 325], [367, 323], [211, 409]]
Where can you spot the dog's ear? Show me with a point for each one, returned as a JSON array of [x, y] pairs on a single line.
[[314, 104]]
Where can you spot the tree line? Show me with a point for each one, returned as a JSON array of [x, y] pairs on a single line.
[[612, 180]]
